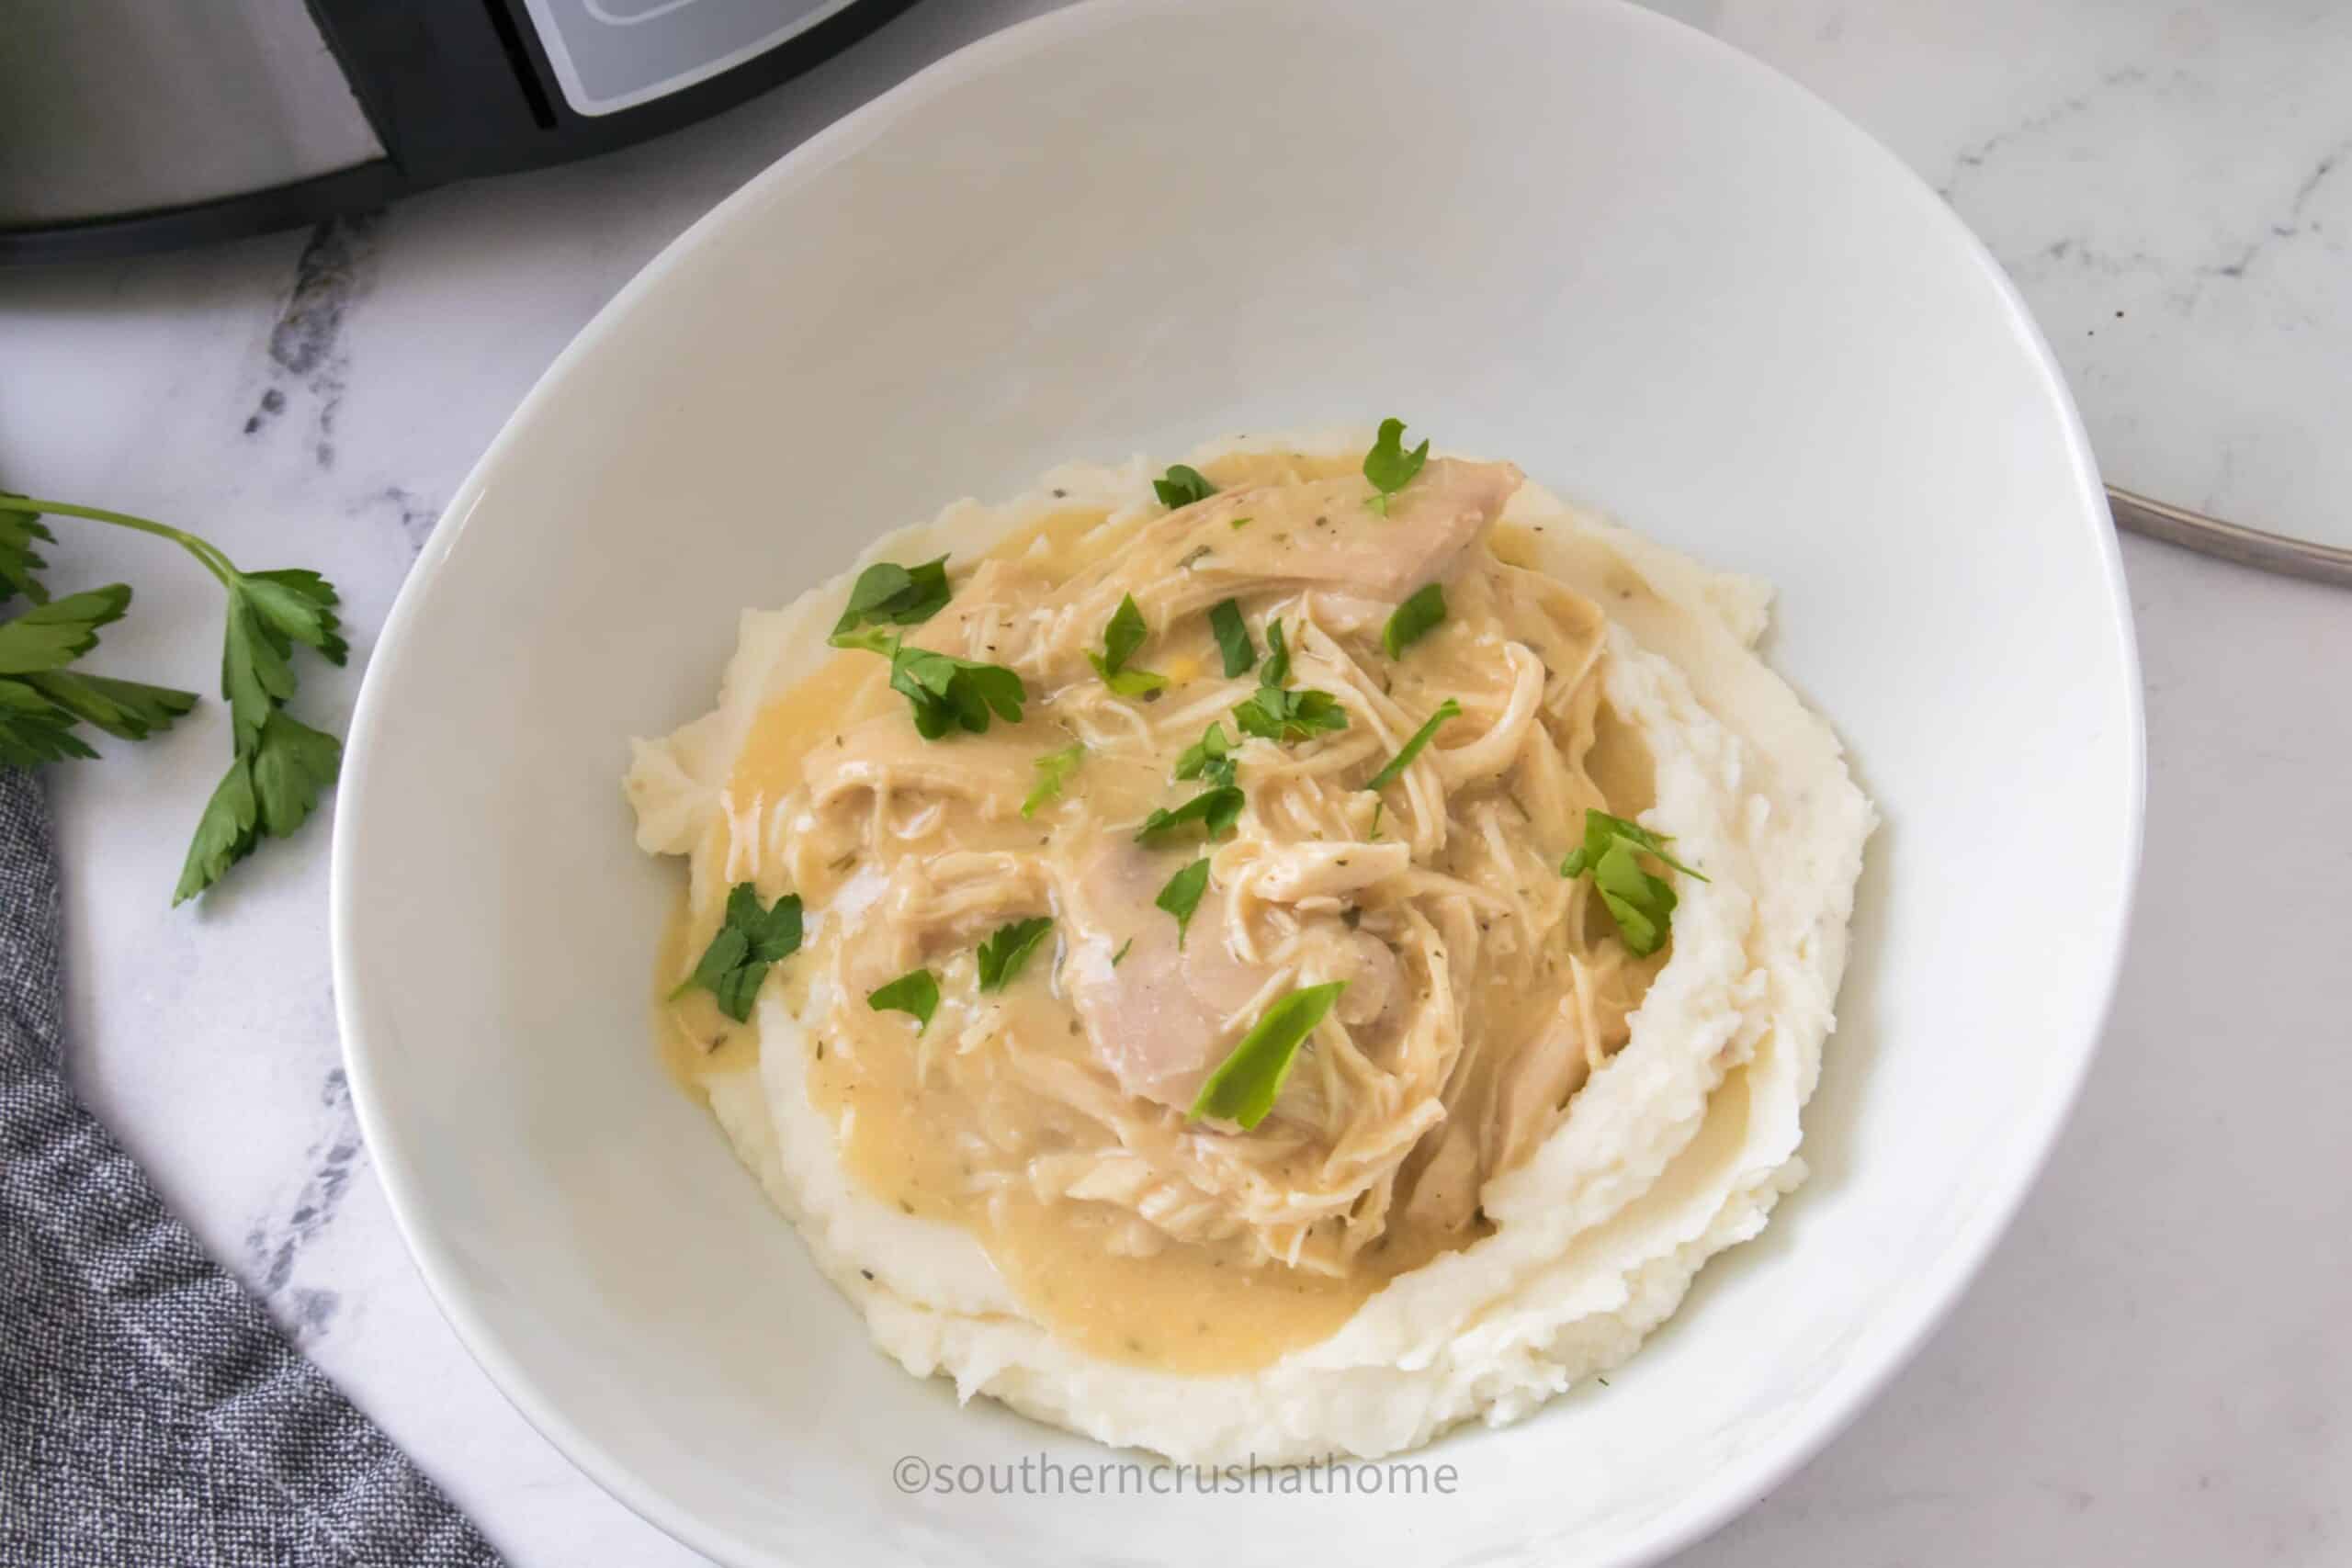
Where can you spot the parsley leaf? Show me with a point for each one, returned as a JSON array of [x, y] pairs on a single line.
[[1182, 896], [914, 993], [1215, 809], [270, 788], [1007, 949], [1124, 635], [1122, 953], [292, 766], [41, 701], [748, 941], [1388, 466], [1599, 827], [1275, 672], [1414, 619], [19, 563], [226, 834], [948, 692], [1413, 748], [1290, 716], [1208, 758], [887, 594], [1232, 636], [1054, 769], [1180, 486], [269, 611], [128, 710], [1642, 903], [53, 635], [34, 730], [1243, 1088]]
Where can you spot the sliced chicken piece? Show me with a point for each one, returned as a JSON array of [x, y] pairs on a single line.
[[1163, 1015], [1147, 1021], [1533, 1086], [885, 754], [1445, 1189], [1326, 534]]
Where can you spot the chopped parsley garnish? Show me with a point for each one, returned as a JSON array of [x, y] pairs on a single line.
[[948, 691], [1414, 619], [1124, 635], [888, 594], [914, 993], [1240, 523], [1215, 809], [1208, 758], [1117, 957], [1279, 715], [1290, 716], [1054, 769], [1243, 1088], [1002, 955], [1388, 466], [1232, 638], [1275, 672], [1180, 486], [748, 941], [1642, 903], [1182, 896], [1412, 749]]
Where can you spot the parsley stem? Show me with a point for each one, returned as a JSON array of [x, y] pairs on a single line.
[[218, 564]]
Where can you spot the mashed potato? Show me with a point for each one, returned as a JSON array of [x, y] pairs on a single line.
[[1415, 1237]]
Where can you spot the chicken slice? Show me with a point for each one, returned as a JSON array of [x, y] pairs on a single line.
[[1326, 534], [1159, 1013]]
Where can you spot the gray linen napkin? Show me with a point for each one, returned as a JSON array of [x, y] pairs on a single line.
[[150, 1415]]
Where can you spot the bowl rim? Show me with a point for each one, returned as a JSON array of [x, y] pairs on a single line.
[[1707, 1507]]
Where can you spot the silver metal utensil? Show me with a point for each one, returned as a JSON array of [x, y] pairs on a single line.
[[2231, 541]]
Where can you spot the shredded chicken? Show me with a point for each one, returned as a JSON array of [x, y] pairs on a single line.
[[1482, 990]]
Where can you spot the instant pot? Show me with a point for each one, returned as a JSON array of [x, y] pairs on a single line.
[[129, 125]]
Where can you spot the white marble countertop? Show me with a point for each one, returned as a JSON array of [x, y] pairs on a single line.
[[2157, 1365]]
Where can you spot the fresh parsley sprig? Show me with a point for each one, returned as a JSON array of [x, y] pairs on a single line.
[[1243, 1088], [279, 766], [1121, 638], [1389, 467], [748, 942], [1640, 902]]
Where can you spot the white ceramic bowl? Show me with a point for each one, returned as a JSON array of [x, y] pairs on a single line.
[[1663, 279]]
